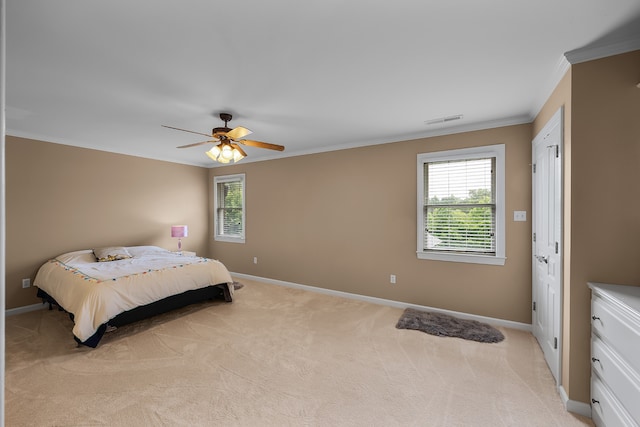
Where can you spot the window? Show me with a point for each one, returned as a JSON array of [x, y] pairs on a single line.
[[229, 208], [461, 205]]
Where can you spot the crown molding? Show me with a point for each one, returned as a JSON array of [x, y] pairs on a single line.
[[63, 141], [602, 50], [558, 72], [448, 130]]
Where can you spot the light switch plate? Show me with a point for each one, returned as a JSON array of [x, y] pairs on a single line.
[[519, 215]]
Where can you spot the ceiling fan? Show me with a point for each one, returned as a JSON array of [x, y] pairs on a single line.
[[228, 141]]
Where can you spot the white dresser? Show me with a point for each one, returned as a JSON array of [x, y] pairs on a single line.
[[615, 355]]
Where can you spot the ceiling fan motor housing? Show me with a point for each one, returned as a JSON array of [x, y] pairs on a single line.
[[218, 132]]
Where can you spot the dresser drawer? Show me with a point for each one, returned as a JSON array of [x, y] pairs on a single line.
[[605, 409], [617, 329], [617, 375]]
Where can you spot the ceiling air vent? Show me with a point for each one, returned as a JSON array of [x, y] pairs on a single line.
[[443, 119]]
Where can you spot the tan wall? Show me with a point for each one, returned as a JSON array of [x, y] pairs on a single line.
[[346, 220], [61, 198], [605, 195], [561, 98], [601, 169]]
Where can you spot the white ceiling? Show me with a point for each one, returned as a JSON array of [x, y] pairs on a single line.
[[310, 75]]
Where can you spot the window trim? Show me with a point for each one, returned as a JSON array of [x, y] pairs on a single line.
[[497, 151], [222, 179]]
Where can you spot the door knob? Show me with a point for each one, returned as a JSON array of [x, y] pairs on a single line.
[[541, 258]]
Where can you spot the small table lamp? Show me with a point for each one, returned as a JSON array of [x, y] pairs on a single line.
[[179, 231]]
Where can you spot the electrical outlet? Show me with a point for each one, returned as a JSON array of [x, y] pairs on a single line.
[[26, 283], [392, 279], [255, 259]]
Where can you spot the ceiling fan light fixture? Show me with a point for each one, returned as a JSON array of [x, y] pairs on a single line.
[[215, 150], [227, 152], [237, 155], [213, 153]]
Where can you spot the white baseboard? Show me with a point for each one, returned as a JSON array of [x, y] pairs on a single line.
[[381, 301], [579, 408], [25, 309]]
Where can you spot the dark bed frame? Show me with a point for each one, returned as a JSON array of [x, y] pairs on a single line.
[[220, 291]]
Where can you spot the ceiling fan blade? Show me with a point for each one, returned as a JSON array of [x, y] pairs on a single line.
[[237, 147], [238, 132], [190, 131], [261, 144], [195, 144]]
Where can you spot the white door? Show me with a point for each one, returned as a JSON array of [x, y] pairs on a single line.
[[547, 241]]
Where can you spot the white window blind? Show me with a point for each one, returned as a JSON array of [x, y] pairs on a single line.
[[460, 206]]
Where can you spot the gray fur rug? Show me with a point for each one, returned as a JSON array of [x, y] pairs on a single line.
[[448, 326]]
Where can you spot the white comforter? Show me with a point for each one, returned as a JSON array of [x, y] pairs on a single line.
[[96, 292]]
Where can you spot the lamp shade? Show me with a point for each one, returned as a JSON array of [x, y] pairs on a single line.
[[179, 231], [237, 155], [227, 152]]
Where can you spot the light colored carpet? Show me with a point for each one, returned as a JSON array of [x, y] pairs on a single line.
[[275, 356]]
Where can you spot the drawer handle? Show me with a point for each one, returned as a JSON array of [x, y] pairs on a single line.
[[594, 401], [595, 317]]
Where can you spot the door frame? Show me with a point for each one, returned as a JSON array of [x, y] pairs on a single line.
[[556, 120]]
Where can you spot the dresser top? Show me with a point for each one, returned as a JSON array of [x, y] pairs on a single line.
[[628, 295]]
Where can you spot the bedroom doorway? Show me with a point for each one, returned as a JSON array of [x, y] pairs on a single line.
[[547, 150]]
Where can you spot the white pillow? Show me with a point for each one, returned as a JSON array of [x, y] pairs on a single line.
[[111, 253]]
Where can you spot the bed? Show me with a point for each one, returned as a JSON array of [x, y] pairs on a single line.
[[108, 287]]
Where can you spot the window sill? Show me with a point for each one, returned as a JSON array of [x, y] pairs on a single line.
[[229, 239], [465, 258]]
